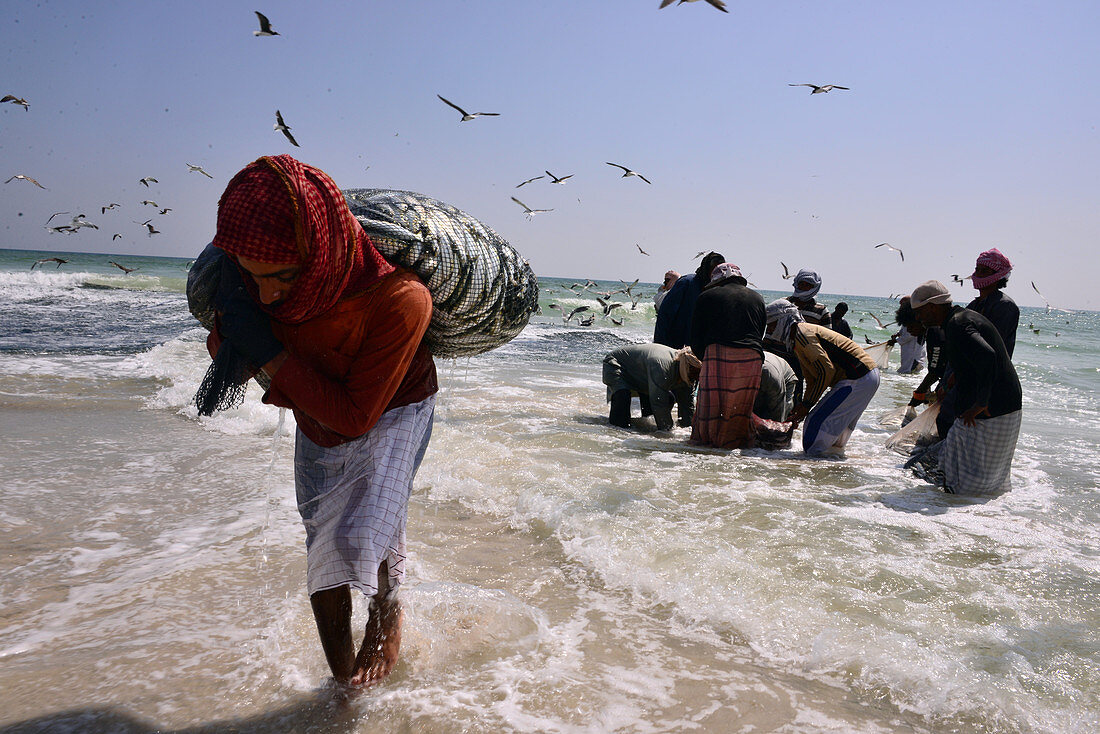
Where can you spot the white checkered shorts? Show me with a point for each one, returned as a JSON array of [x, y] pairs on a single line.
[[354, 499]]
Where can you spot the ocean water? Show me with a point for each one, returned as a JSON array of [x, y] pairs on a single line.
[[563, 576]]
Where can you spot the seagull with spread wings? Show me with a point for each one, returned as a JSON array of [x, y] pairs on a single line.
[[282, 127], [16, 100], [819, 90], [192, 168], [716, 3], [786, 271], [466, 116], [25, 177], [628, 172], [888, 246], [640, 249], [528, 210], [147, 180], [265, 26], [536, 178], [557, 180]]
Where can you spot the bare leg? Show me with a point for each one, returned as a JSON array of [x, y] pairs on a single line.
[[332, 612], [382, 639]]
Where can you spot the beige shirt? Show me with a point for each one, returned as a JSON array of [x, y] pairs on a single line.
[[826, 358]]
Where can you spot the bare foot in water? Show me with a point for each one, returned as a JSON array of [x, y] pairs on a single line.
[[381, 644]]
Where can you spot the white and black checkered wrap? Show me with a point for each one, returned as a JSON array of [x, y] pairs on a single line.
[[977, 459], [483, 292], [354, 499]]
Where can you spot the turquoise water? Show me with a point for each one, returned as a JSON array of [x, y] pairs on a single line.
[[563, 576]]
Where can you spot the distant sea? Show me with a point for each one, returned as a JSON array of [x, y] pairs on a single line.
[[564, 576]]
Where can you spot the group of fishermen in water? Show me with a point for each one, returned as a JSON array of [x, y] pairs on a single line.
[[745, 373]]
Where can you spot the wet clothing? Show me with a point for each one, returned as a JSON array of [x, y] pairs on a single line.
[[813, 312], [1003, 312], [835, 363], [673, 327], [771, 346], [728, 384], [353, 499], [977, 460], [731, 315], [357, 374], [984, 374], [831, 422], [651, 370], [778, 383]]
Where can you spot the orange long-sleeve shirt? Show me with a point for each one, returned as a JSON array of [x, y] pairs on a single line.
[[363, 357]]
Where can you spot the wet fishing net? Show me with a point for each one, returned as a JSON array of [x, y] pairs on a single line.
[[880, 353], [483, 292]]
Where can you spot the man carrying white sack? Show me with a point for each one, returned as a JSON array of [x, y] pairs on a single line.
[[976, 457]]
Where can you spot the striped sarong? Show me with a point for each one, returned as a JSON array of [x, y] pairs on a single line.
[[977, 459], [354, 499], [728, 384]]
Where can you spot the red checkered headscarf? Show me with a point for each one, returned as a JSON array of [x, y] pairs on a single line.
[[278, 210]]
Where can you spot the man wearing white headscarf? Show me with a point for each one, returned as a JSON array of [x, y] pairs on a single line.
[[807, 284]]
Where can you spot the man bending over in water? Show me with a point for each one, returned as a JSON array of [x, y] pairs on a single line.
[[307, 298]]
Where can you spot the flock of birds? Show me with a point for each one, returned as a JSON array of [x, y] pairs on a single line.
[[79, 221], [603, 298]]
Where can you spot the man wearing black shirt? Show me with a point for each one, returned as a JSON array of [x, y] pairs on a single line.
[[977, 453]]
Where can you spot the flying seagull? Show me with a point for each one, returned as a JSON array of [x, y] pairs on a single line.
[[79, 221], [15, 100], [284, 128], [25, 177], [888, 246], [528, 210], [192, 168], [877, 319], [536, 178], [558, 180], [265, 26], [819, 90], [123, 268], [640, 249], [112, 205], [116, 236], [165, 210], [146, 181], [148, 224], [955, 277], [467, 115], [716, 3], [57, 260], [628, 172], [148, 202], [577, 310], [786, 272]]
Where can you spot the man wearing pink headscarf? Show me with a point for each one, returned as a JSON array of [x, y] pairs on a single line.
[[990, 277]]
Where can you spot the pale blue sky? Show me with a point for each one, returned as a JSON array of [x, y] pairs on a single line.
[[968, 125]]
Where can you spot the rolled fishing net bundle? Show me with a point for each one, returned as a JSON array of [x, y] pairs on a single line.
[[483, 292]]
